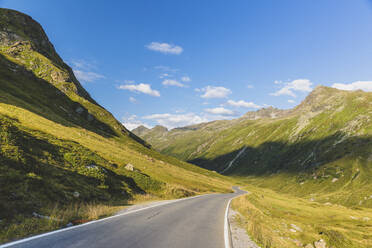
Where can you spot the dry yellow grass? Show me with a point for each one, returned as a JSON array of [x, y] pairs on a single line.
[[59, 217], [278, 220]]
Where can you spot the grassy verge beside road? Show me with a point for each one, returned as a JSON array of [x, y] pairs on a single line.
[[278, 220]]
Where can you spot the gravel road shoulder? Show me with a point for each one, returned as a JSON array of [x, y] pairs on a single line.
[[239, 236]]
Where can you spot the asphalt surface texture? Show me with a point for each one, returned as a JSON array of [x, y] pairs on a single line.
[[189, 223]]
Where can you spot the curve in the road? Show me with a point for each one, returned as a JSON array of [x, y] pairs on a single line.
[[198, 221]]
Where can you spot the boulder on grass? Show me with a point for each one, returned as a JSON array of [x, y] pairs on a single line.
[[129, 167], [320, 244]]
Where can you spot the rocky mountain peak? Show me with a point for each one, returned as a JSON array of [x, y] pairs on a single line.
[[159, 128], [21, 37], [265, 113], [140, 130], [321, 98], [142, 127], [16, 27]]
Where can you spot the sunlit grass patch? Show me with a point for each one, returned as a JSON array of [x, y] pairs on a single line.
[[280, 220]]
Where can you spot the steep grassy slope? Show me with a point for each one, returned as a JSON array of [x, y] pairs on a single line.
[[58, 147], [323, 147]]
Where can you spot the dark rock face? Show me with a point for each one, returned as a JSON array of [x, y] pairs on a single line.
[[16, 27], [20, 33]]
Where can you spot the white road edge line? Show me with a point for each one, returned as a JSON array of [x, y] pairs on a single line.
[[94, 221], [226, 225]]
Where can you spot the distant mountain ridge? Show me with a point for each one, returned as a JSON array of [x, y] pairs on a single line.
[[327, 135], [262, 113]]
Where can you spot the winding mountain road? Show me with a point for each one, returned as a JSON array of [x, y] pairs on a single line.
[[186, 223]]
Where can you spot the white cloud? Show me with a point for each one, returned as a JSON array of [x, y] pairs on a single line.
[[164, 48], [291, 101], [358, 85], [249, 86], [176, 120], [165, 68], [215, 92], [84, 71], [132, 99], [284, 91], [186, 79], [179, 110], [140, 88], [87, 76], [219, 111], [164, 75], [242, 103], [132, 122], [171, 82], [301, 85], [82, 64], [77, 64], [129, 81]]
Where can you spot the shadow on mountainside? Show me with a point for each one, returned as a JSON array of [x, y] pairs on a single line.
[[36, 172], [23, 89], [302, 156]]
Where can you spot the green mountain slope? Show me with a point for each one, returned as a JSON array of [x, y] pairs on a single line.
[[60, 147], [321, 149]]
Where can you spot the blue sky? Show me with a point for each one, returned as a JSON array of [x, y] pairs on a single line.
[[177, 63]]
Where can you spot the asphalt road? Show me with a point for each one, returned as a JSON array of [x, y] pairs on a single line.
[[189, 223]]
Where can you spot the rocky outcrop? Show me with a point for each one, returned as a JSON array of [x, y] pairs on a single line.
[[320, 244], [266, 113], [129, 167], [20, 36], [18, 27]]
